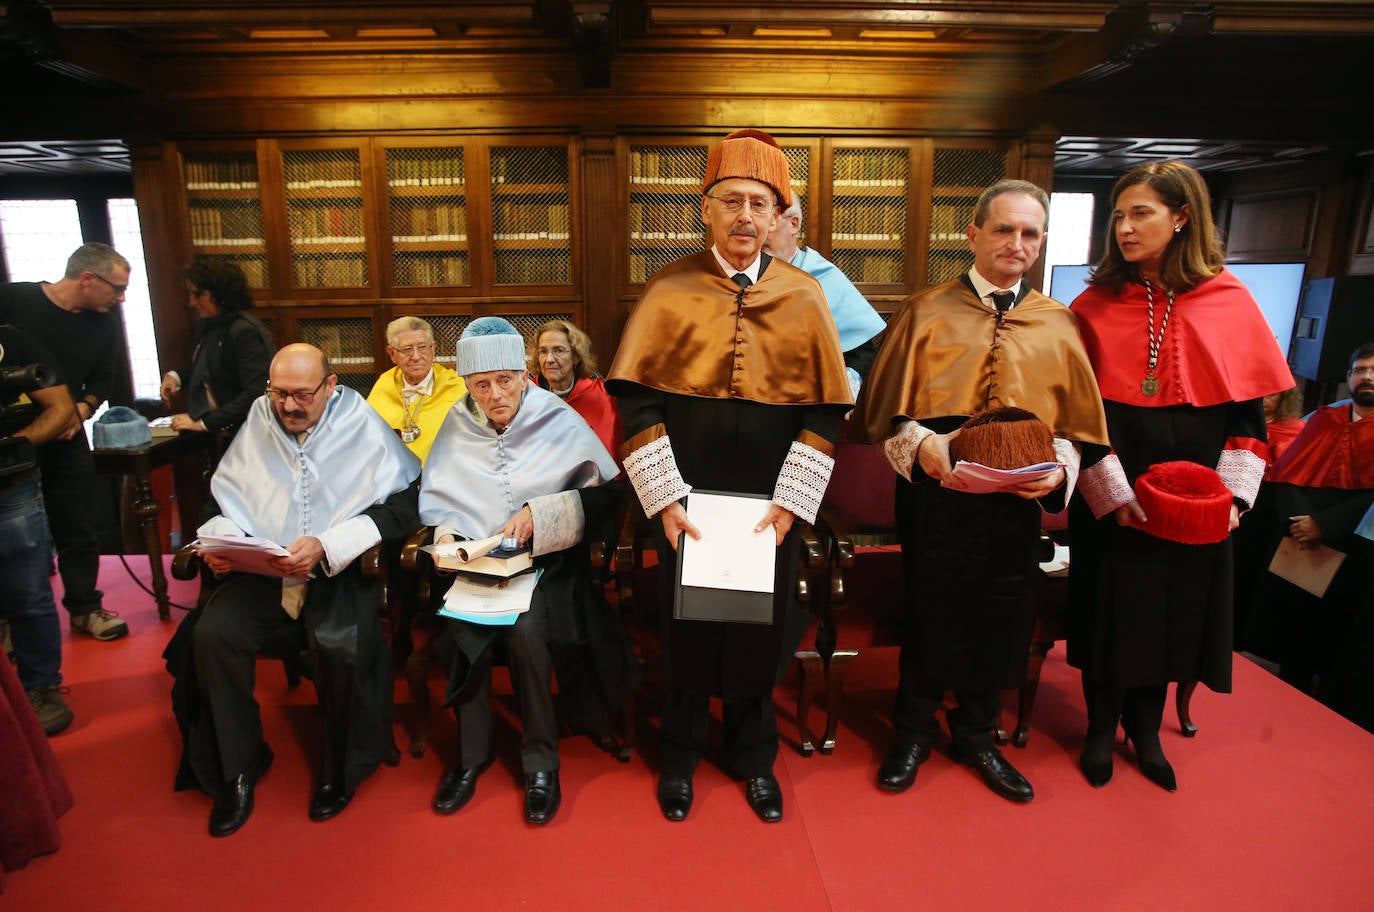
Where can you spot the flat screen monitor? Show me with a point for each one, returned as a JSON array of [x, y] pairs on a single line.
[[1276, 287]]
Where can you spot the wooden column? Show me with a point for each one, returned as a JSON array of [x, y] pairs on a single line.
[[600, 249], [159, 210], [1037, 166]]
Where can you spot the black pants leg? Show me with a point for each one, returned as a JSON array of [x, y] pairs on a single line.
[[685, 715], [531, 673], [243, 614], [69, 490]]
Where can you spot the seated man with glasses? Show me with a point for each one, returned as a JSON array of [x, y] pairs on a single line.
[[318, 472], [72, 318], [415, 395]]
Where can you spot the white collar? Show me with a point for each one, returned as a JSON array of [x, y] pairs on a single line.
[[752, 270], [984, 288], [423, 388]]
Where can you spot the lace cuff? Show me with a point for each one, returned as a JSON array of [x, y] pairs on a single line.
[[802, 480], [1067, 454], [900, 449], [653, 472], [558, 522], [1105, 486], [1241, 471]]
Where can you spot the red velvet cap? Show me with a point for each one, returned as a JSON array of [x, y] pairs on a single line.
[[1185, 502]]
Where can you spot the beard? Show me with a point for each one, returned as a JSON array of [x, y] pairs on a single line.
[[1363, 395]]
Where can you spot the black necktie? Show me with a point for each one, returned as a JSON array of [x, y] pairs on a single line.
[[1003, 300], [742, 280]]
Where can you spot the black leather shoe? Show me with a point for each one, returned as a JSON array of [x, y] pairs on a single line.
[[899, 766], [765, 797], [457, 787], [674, 796], [234, 803], [999, 775], [328, 801], [542, 796]]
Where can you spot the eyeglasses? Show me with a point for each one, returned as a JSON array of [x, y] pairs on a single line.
[[422, 348], [757, 205], [302, 397], [557, 352], [118, 289], [1362, 372]]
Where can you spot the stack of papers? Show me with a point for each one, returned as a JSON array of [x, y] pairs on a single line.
[[245, 553], [981, 479], [489, 600]]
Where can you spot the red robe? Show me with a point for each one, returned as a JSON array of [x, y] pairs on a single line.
[[33, 791], [1331, 452]]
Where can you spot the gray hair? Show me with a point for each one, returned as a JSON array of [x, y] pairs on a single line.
[[980, 208], [794, 209], [407, 324], [96, 258]]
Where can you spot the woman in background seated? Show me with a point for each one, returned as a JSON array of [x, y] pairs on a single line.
[[562, 361], [1283, 422], [1183, 359]]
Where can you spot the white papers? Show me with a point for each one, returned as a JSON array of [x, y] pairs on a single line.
[[1311, 569], [244, 552], [981, 479], [488, 600], [730, 554]]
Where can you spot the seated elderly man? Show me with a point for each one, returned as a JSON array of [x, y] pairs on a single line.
[[515, 459], [415, 395], [317, 471]]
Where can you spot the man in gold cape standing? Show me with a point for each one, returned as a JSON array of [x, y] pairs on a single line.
[[730, 378], [981, 341]]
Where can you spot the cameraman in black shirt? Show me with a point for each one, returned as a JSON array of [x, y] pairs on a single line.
[[30, 415]]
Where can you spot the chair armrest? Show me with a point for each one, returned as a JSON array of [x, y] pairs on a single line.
[[186, 563], [626, 547], [410, 551], [813, 553], [844, 541], [371, 562]]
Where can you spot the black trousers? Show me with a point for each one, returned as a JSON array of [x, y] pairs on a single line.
[[970, 723], [69, 490], [243, 619], [750, 733], [531, 674]]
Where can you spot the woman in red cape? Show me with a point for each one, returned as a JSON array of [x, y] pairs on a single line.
[[1183, 358]]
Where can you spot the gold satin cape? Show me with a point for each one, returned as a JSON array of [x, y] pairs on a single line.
[[687, 335], [945, 355]]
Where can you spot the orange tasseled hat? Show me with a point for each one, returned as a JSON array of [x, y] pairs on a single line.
[[1184, 502], [753, 155]]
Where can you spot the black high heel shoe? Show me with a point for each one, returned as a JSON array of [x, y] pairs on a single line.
[[1096, 759], [1154, 765]]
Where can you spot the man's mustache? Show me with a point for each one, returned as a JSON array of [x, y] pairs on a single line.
[[745, 231]]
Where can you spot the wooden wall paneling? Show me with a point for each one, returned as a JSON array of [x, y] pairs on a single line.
[[602, 260], [1273, 226], [270, 183], [920, 218], [1362, 238], [161, 216], [1032, 158]]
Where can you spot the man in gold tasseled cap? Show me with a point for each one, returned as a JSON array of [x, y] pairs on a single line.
[[730, 353], [985, 340]]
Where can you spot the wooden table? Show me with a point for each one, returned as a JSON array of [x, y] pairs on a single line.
[[139, 463]]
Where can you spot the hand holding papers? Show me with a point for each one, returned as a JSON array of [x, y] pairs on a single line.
[[245, 554], [972, 478], [726, 575]]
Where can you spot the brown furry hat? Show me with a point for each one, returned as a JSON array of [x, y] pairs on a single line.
[[753, 155], [1003, 438]]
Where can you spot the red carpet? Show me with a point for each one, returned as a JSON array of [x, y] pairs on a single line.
[[1275, 811]]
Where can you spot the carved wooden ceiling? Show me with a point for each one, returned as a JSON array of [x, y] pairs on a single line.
[[1257, 80]]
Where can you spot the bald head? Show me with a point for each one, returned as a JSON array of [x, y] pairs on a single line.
[[300, 384]]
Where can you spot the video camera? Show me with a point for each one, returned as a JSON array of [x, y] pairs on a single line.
[[17, 453]]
